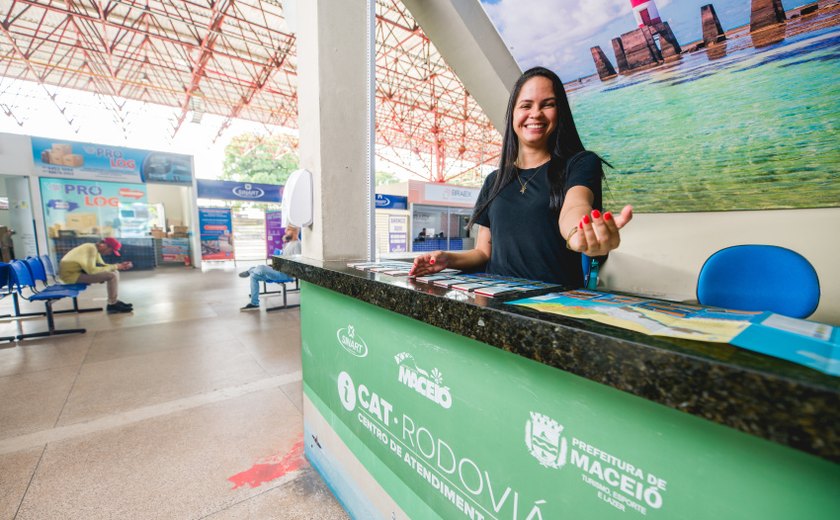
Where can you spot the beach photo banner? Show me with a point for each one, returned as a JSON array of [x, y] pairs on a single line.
[[698, 105]]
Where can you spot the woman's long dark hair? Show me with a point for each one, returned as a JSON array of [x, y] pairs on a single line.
[[564, 142]]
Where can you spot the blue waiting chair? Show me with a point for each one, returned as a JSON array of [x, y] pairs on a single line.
[[759, 278], [22, 278], [49, 270], [37, 268], [6, 285], [591, 268], [284, 290]]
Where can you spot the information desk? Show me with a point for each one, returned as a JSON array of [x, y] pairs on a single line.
[[422, 402]]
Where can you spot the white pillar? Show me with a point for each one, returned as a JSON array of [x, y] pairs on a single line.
[[333, 119]]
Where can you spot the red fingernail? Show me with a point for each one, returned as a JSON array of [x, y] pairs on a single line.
[[432, 261], [607, 216], [596, 213], [586, 219], [580, 224]]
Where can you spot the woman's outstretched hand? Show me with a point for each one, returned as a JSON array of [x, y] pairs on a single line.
[[597, 234], [429, 263]]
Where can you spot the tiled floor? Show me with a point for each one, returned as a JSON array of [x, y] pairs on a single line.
[[184, 409]]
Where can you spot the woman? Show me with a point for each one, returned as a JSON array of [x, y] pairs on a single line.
[[542, 208]]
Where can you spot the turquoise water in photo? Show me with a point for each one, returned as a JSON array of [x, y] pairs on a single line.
[[758, 128]]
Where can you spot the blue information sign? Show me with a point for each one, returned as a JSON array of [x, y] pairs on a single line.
[[391, 202], [229, 190]]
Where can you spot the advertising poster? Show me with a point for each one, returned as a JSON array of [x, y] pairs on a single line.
[[453, 428], [274, 231], [78, 208], [216, 225], [55, 158], [699, 105], [175, 250], [397, 233]]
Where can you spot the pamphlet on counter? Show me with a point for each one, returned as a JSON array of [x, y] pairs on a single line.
[[815, 345], [480, 283]]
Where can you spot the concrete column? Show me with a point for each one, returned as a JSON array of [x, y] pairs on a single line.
[[602, 63], [764, 13], [712, 30], [333, 119], [620, 56], [468, 41], [670, 47]]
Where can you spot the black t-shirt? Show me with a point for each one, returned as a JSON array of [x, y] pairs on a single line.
[[526, 240]]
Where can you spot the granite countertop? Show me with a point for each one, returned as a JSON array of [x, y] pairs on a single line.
[[761, 395]]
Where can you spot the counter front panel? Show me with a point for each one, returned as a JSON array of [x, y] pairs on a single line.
[[447, 426]]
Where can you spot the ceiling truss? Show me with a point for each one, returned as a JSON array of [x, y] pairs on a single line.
[[237, 59]]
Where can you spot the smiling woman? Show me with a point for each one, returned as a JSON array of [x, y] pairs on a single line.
[[542, 208]]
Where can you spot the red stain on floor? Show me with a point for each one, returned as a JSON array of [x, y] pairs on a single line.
[[271, 468]]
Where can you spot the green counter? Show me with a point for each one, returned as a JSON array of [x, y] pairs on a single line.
[[406, 420]]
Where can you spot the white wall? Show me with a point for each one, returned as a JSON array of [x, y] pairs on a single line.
[[661, 254], [172, 198], [4, 213], [15, 155], [22, 217]]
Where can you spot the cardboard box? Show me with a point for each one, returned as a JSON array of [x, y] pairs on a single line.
[[81, 221], [62, 149], [179, 229], [73, 160]]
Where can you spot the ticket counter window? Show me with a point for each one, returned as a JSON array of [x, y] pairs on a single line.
[[440, 228]]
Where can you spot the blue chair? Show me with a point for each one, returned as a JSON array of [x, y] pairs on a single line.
[[5, 283], [50, 270], [759, 278], [10, 288], [591, 268], [21, 277], [37, 268]]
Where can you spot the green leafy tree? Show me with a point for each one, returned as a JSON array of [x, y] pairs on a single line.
[[259, 159], [386, 178]]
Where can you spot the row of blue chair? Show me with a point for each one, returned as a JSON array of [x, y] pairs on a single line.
[[24, 275]]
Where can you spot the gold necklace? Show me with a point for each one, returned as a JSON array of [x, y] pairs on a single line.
[[525, 184]]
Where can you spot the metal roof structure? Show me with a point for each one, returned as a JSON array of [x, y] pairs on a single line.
[[237, 59]]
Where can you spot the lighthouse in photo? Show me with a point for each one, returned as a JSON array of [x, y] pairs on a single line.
[[645, 12]]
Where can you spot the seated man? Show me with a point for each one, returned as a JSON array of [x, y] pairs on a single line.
[[84, 264], [265, 273]]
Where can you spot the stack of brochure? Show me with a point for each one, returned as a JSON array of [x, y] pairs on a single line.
[[392, 268], [484, 284]]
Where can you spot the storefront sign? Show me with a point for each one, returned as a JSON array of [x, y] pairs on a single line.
[[397, 233], [229, 190], [95, 208], [54, 158], [453, 428], [391, 202], [216, 233], [445, 194], [274, 232]]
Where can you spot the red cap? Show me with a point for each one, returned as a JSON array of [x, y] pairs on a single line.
[[114, 244]]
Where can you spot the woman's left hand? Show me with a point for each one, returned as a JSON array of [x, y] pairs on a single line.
[[598, 234]]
